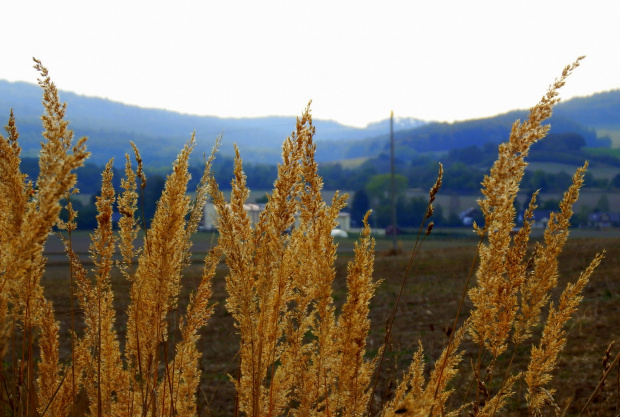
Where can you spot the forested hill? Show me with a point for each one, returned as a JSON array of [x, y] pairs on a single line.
[[599, 111], [441, 137], [596, 118], [160, 134]]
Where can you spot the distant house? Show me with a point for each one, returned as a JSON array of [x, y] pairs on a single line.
[[540, 218], [210, 214], [467, 217], [254, 211], [603, 220], [344, 221]]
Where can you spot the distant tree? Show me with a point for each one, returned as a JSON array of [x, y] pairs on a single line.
[[469, 155], [559, 142], [551, 204], [452, 220], [438, 214], [379, 186], [154, 187], [462, 177], [382, 215], [360, 204], [602, 205], [333, 175], [580, 218], [77, 206], [562, 181], [223, 171], [265, 175], [262, 199], [89, 178], [538, 181], [87, 216], [411, 211], [591, 181]]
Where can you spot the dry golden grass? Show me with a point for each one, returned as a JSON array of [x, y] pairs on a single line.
[[305, 343]]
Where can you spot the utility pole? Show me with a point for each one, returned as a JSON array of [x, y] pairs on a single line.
[[393, 188]]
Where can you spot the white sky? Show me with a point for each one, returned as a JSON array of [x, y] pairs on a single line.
[[357, 60]]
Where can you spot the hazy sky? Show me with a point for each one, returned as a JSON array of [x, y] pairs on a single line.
[[357, 60]]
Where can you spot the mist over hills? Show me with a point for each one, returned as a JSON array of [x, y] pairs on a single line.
[[160, 134]]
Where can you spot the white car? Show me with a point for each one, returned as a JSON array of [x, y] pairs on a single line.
[[339, 233]]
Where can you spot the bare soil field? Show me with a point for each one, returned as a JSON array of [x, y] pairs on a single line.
[[425, 314]]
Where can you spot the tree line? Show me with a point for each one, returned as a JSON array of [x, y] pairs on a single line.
[[464, 170]]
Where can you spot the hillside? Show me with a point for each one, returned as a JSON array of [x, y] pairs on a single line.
[[441, 137], [596, 118], [599, 111], [111, 125]]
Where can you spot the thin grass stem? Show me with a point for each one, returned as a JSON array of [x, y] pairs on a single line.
[[601, 382]]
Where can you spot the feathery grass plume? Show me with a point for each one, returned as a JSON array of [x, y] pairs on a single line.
[[544, 356], [507, 297], [495, 296], [607, 367], [72, 385], [296, 356], [254, 299], [128, 224], [98, 351], [354, 372], [112, 390], [33, 213], [502, 281], [142, 179], [15, 191], [315, 254], [501, 272], [185, 377], [535, 290], [70, 225], [156, 286], [607, 364], [297, 190], [412, 398], [412, 384], [178, 388], [202, 192]]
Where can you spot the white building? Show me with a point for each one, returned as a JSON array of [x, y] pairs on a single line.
[[254, 210]]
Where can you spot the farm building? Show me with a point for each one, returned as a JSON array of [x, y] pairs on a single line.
[[254, 210], [603, 220]]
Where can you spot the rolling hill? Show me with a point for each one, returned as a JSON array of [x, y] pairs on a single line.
[[160, 134]]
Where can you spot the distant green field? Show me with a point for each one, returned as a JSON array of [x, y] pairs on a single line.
[[351, 163], [607, 172], [604, 151]]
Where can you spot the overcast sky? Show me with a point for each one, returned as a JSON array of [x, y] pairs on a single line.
[[357, 60]]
